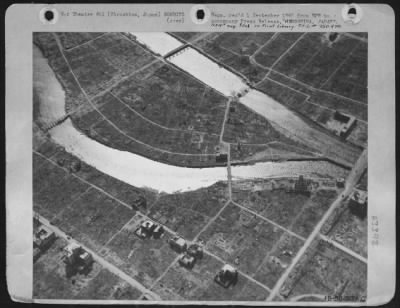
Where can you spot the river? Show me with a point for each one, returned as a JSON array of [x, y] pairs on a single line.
[[159, 42], [209, 72], [139, 171]]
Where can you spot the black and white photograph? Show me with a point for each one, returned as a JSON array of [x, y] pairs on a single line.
[[201, 166]]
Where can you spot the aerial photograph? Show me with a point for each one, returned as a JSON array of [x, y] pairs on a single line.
[[200, 166]]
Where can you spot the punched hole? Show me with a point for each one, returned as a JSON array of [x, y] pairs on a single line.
[[352, 13], [49, 15], [200, 14]]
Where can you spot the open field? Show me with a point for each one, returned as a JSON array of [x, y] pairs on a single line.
[[54, 190], [295, 211], [351, 78], [241, 238], [198, 284], [71, 40], [272, 51], [171, 98], [278, 259], [355, 108], [324, 64], [106, 60], [328, 271], [51, 282], [313, 211], [351, 232], [187, 213], [135, 126], [242, 43], [271, 202], [99, 288], [300, 53], [93, 219]]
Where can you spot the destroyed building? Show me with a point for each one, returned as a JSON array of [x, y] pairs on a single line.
[[43, 238], [196, 251], [358, 203], [301, 186], [139, 202], [77, 260], [178, 244], [149, 229], [340, 182], [193, 253], [187, 261], [341, 124], [221, 158], [227, 276]]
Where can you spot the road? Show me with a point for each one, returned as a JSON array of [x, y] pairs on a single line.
[[113, 269], [343, 248], [352, 180], [226, 115]]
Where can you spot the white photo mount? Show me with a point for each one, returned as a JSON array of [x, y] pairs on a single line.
[[210, 67]]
